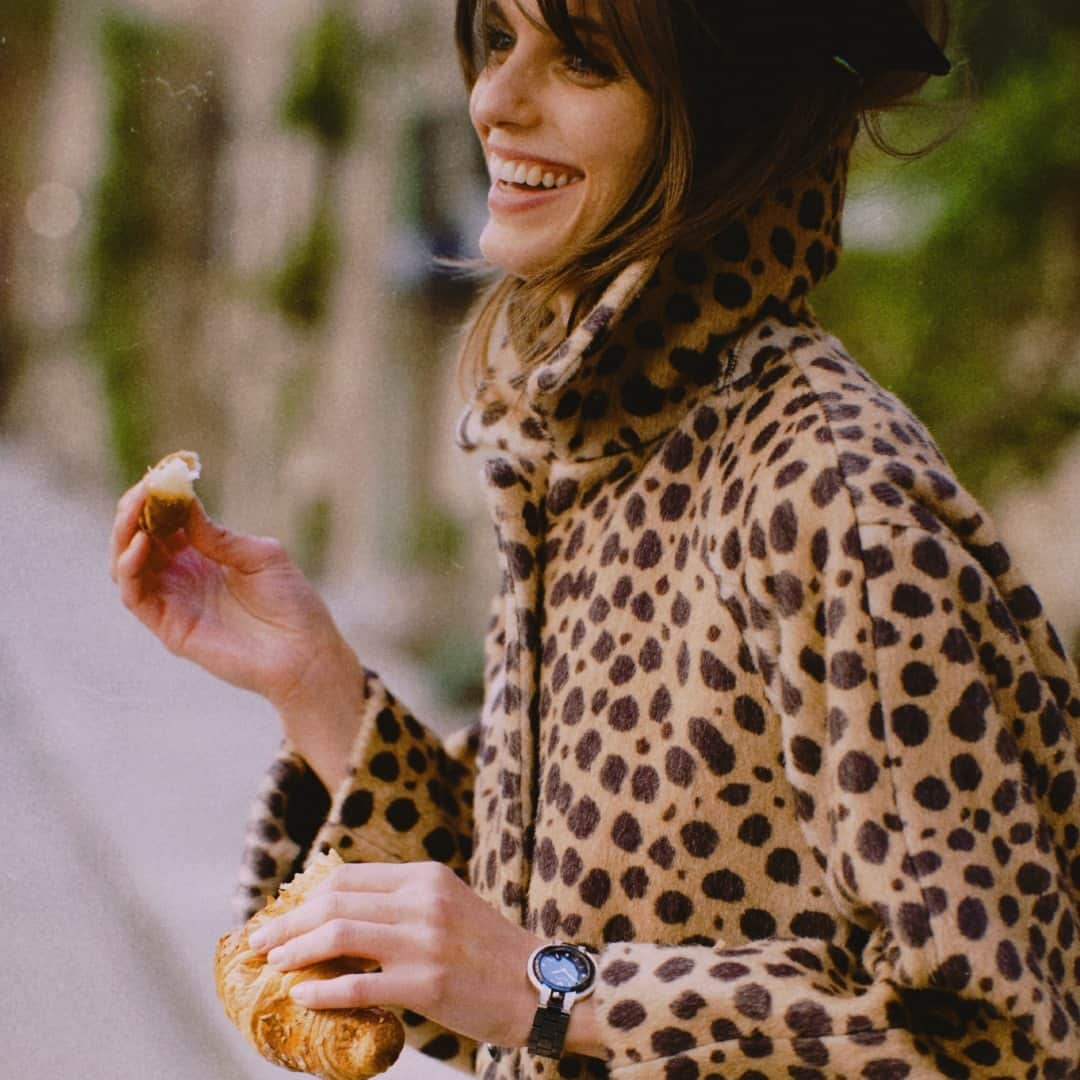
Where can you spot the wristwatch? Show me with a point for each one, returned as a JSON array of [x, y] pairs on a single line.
[[563, 974]]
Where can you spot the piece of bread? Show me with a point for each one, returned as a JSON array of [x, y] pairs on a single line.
[[170, 492], [335, 1044]]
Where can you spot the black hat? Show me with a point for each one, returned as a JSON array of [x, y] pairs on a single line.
[[867, 37], [876, 36]]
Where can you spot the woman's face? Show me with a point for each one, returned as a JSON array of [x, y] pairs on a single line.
[[566, 137]]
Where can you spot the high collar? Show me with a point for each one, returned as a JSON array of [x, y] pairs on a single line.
[[663, 333]]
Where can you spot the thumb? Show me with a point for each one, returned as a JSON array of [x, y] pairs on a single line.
[[238, 551]]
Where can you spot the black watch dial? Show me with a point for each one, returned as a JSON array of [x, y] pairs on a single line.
[[564, 969]]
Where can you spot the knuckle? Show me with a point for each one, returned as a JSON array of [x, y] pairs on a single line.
[[439, 982], [441, 902], [436, 872], [438, 881], [339, 935], [273, 549], [281, 929], [440, 915], [333, 905], [352, 991], [433, 939], [338, 878]]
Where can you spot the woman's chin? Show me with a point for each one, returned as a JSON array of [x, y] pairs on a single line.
[[521, 255]]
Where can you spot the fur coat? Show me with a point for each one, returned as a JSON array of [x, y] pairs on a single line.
[[772, 722]]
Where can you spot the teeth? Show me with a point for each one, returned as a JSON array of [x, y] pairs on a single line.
[[515, 172]]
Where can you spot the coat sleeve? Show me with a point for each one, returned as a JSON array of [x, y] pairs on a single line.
[[927, 712], [407, 798]]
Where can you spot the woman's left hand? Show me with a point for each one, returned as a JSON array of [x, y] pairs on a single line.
[[444, 952]]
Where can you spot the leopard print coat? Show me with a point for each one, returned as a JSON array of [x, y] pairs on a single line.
[[772, 722]]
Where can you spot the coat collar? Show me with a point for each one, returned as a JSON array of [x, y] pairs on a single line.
[[663, 333]]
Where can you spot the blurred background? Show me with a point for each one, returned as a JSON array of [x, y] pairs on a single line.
[[218, 221]]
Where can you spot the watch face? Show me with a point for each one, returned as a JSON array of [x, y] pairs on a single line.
[[563, 968]]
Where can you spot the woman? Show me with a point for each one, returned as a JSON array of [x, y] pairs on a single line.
[[774, 733]]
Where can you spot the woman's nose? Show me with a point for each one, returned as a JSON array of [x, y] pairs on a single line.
[[505, 94]]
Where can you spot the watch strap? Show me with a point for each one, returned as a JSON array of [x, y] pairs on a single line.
[[548, 1033]]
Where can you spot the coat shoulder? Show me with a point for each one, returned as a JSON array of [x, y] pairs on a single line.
[[809, 430]]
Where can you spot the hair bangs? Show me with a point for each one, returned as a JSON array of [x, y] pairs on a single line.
[[622, 24], [628, 27]]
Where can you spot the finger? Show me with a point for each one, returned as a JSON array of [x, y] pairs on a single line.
[[334, 940], [164, 549], [351, 991], [248, 554], [176, 541], [320, 909], [134, 494], [129, 570], [126, 522]]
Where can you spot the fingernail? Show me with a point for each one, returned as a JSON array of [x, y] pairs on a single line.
[[301, 993], [258, 939]]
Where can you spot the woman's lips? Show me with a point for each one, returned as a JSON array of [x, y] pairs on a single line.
[[507, 198], [521, 183]]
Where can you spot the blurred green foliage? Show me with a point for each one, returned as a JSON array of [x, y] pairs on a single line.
[[940, 320], [149, 242], [301, 288], [435, 537], [26, 32], [123, 240], [454, 663], [320, 101], [322, 94], [313, 535]]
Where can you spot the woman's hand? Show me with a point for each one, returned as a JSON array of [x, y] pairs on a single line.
[[444, 952], [240, 608]]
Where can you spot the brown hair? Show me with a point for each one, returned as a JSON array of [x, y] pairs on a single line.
[[736, 119]]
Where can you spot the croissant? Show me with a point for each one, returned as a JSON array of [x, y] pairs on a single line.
[[169, 493], [335, 1044]]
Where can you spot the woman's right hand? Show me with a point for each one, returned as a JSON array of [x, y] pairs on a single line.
[[239, 607]]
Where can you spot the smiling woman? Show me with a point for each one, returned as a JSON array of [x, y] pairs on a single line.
[[566, 132], [776, 772]]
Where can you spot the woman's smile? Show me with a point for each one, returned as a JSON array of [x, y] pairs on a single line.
[[521, 182], [522, 170]]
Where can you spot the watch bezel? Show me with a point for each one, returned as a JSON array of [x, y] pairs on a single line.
[[581, 989]]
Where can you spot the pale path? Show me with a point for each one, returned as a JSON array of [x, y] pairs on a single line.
[[125, 777]]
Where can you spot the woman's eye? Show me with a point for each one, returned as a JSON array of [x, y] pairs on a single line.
[[588, 66], [497, 40]]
